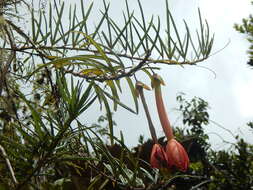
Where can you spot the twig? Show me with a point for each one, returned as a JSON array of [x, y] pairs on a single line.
[[220, 126], [149, 60], [164, 186], [5, 71], [9, 165], [112, 77], [200, 184], [40, 52]]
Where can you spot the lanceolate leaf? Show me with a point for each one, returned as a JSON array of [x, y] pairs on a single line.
[[98, 47], [117, 101], [132, 88], [40, 128], [86, 59], [115, 95], [103, 98]]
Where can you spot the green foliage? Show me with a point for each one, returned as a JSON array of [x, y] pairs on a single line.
[[195, 115], [247, 28], [194, 112], [233, 169]]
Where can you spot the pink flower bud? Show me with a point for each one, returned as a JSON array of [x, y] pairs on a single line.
[[177, 155], [158, 157]]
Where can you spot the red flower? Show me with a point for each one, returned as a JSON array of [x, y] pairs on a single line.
[[177, 155], [158, 157]]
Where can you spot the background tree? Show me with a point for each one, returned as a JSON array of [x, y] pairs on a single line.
[[247, 28]]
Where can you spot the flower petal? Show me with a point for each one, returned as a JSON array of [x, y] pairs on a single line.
[[158, 158], [177, 155]]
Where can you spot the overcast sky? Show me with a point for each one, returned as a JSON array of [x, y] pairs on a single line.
[[229, 93]]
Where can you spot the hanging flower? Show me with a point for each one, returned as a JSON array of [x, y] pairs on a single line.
[[158, 157], [175, 152], [177, 155]]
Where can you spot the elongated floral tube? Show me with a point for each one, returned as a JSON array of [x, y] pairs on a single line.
[[156, 84], [139, 88]]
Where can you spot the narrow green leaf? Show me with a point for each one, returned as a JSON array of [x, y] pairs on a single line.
[[104, 184], [50, 23], [145, 35], [73, 25], [154, 42], [126, 34], [70, 31], [145, 30], [114, 92], [119, 58], [200, 43], [82, 102], [108, 24], [120, 33], [122, 137], [133, 92], [38, 123], [105, 38], [85, 18], [100, 94], [201, 31], [118, 85], [119, 102], [207, 36], [209, 48], [168, 25], [40, 32], [148, 73], [99, 49], [38, 28], [181, 50], [33, 26], [67, 36], [131, 47], [59, 26], [46, 27], [100, 23], [187, 39], [194, 48], [88, 105], [141, 40]]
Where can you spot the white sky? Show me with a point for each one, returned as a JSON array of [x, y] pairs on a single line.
[[229, 94]]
